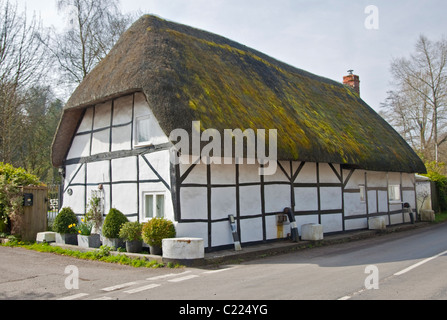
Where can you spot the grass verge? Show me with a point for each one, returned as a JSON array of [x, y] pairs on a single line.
[[441, 217], [103, 254]]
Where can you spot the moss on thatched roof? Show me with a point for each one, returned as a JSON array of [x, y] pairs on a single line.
[[190, 75]]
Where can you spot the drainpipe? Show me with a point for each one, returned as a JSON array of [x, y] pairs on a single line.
[[407, 207], [293, 226]]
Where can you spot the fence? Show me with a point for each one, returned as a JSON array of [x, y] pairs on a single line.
[[54, 203]]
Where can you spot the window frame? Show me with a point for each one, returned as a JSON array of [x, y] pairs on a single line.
[[137, 143], [362, 190], [399, 196], [154, 194]]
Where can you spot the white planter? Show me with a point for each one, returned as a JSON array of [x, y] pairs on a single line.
[[377, 223], [46, 237], [68, 238], [186, 251], [92, 241], [312, 232]]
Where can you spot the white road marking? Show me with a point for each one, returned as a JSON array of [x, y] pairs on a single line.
[[406, 270], [145, 288], [180, 277], [119, 287], [419, 264], [220, 270], [103, 299], [167, 276], [184, 278], [74, 297]]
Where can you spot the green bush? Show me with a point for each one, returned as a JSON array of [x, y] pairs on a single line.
[[113, 223], [11, 179], [441, 187], [64, 219], [131, 231], [158, 229], [18, 176]]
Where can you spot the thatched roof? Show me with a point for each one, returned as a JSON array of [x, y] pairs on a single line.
[[189, 75]]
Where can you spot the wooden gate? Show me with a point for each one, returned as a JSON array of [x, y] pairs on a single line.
[[34, 212]]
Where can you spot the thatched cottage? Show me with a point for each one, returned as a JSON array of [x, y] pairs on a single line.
[[339, 163]]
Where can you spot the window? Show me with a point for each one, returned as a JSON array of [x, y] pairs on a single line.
[[143, 134], [362, 193], [394, 193], [154, 205]]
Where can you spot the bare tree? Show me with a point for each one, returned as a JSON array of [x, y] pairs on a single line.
[[411, 117], [418, 105], [94, 27], [22, 65]]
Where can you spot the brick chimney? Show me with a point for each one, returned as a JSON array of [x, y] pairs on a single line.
[[353, 81]]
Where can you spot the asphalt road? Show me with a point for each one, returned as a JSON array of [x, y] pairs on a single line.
[[407, 265]]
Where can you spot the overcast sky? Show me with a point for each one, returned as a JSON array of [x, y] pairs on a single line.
[[325, 37]]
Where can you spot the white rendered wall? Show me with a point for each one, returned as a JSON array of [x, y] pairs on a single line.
[[319, 193], [377, 202], [424, 199], [105, 130]]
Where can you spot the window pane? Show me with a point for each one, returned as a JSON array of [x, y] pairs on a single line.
[[394, 193], [362, 194], [143, 130], [149, 204], [160, 206]]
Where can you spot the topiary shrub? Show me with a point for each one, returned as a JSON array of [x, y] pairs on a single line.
[[158, 229], [131, 231], [64, 219], [113, 223]]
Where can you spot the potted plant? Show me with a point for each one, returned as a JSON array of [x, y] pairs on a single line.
[[155, 231], [84, 233], [65, 234], [131, 233], [94, 214], [111, 229]]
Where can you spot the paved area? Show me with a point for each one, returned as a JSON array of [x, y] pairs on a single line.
[[258, 251], [336, 268], [281, 247]]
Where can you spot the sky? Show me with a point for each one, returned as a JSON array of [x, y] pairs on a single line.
[[324, 37]]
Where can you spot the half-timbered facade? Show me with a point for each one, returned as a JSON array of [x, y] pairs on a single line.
[[339, 163]]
